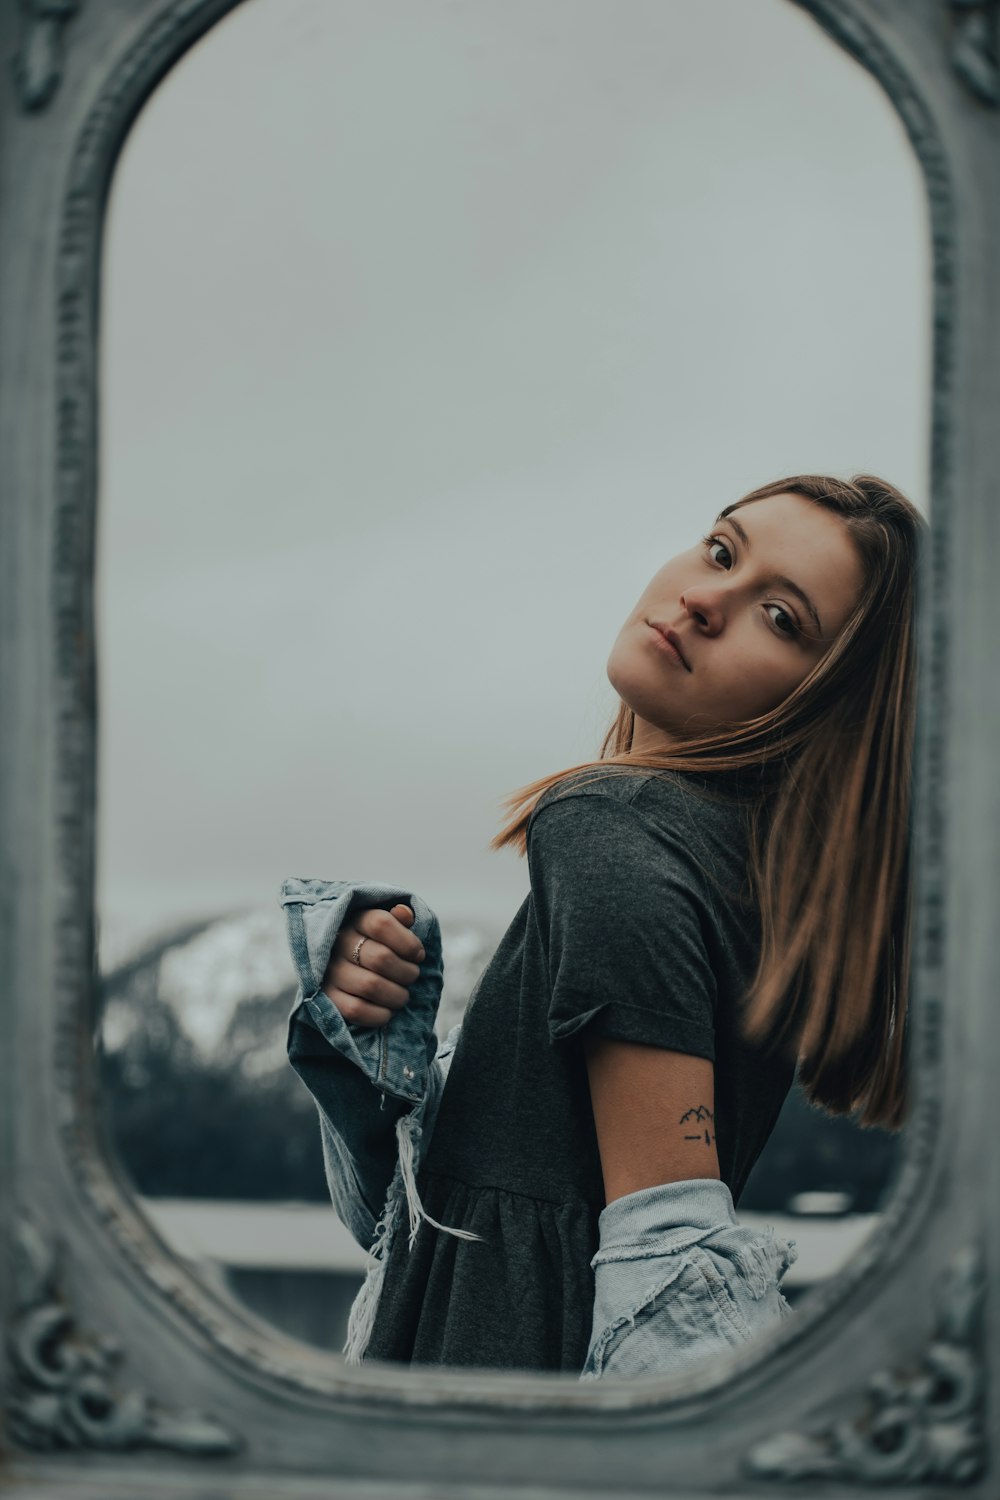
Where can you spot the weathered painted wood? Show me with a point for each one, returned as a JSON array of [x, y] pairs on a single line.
[[123, 1375]]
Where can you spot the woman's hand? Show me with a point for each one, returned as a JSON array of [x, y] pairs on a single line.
[[367, 994]]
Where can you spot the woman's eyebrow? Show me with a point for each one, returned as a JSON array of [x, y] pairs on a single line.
[[779, 578]]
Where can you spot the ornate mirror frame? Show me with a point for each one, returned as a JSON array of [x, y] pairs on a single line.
[[125, 1375]]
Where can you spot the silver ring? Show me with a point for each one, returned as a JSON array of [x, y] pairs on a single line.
[[356, 955]]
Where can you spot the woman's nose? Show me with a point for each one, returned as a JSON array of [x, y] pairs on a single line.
[[707, 607]]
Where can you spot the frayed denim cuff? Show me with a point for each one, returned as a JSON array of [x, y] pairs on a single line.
[[678, 1278], [657, 1220]]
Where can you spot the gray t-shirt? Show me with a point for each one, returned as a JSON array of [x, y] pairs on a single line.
[[638, 927]]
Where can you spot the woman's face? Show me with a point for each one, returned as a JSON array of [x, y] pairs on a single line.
[[753, 610]]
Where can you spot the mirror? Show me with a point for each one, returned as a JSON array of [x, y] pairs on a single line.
[[427, 333]]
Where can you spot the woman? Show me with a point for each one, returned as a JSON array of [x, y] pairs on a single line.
[[721, 897]]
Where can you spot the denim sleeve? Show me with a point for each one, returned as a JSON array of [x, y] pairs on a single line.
[[357, 1123], [363, 1079], [677, 1280]]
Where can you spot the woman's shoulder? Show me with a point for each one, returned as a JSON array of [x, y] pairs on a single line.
[[715, 796], [641, 829], [616, 782], [705, 814]]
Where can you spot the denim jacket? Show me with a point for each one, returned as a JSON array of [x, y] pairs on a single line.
[[677, 1278]]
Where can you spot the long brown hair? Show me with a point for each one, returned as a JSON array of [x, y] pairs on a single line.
[[830, 837]]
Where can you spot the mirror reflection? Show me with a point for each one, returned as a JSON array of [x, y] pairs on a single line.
[[489, 392]]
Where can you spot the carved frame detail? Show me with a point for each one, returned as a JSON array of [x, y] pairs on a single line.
[[924, 1423], [39, 60], [63, 1394], [975, 48]]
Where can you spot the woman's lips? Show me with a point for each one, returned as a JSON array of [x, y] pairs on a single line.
[[666, 645]]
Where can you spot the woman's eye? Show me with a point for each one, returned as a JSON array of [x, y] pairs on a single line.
[[713, 541], [784, 621]]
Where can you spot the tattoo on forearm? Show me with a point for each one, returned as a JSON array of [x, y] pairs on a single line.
[[705, 1119]]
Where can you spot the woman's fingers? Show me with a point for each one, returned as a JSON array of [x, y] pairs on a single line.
[[375, 955], [390, 950], [369, 984], [392, 930], [358, 1012], [370, 992]]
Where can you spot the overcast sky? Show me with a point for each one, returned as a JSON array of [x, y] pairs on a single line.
[[430, 330]]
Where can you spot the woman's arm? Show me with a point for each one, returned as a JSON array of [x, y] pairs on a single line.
[[677, 1278], [654, 1110]]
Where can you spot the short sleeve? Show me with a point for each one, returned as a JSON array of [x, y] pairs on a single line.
[[621, 910]]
